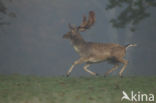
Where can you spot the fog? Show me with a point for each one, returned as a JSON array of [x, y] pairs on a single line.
[[33, 45]]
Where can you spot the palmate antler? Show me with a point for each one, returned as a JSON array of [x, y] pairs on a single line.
[[86, 24]]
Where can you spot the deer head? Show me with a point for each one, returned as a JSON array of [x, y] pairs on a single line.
[[86, 24]]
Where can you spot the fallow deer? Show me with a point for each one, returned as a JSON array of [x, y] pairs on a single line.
[[91, 52]]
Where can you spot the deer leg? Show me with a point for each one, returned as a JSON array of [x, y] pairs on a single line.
[[125, 62], [79, 61], [114, 68], [87, 70]]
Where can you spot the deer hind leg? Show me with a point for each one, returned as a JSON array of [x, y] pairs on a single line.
[[125, 62], [114, 68], [87, 70], [79, 61]]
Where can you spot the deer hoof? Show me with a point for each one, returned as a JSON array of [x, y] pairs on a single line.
[[121, 76], [96, 74], [105, 75], [67, 75]]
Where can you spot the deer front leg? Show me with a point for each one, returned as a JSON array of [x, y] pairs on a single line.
[[114, 68], [87, 70], [79, 61], [125, 62]]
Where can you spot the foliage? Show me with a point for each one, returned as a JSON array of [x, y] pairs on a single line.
[[133, 11], [4, 12]]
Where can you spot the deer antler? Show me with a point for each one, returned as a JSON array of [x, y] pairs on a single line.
[[86, 24]]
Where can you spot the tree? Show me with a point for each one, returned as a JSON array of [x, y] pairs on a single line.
[[132, 12], [4, 12]]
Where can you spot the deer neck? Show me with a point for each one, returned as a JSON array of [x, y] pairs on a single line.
[[78, 42]]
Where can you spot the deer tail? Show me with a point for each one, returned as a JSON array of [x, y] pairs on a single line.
[[130, 45]]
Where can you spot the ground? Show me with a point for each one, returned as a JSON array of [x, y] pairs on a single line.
[[35, 89]]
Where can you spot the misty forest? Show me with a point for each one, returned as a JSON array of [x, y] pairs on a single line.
[[34, 57], [31, 34]]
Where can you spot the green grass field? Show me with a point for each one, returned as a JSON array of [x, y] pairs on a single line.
[[33, 89]]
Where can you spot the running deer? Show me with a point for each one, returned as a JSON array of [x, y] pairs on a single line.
[[91, 52]]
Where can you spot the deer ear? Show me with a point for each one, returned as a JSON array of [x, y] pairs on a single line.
[[70, 26]]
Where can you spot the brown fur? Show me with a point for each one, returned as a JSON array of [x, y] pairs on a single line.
[[91, 52]]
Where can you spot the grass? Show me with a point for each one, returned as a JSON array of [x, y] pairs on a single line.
[[33, 89]]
